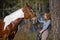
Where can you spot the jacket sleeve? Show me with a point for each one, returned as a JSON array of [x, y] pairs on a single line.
[[46, 25], [40, 21]]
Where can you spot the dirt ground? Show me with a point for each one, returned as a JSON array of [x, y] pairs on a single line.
[[25, 36]]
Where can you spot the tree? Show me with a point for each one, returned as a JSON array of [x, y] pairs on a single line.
[[55, 15]]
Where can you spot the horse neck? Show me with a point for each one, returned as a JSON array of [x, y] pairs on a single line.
[[18, 21]]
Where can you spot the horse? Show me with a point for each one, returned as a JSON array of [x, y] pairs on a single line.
[[9, 24]]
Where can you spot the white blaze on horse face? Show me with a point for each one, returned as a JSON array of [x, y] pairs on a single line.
[[13, 16]]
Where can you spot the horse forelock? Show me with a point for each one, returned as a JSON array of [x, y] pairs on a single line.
[[29, 7]]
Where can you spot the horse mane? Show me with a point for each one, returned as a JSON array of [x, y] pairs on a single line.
[[27, 6]]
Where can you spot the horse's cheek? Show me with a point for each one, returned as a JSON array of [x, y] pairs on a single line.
[[25, 16]]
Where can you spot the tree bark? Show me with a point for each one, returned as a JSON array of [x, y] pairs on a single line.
[[55, 15]]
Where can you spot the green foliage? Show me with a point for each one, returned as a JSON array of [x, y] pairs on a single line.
[[46, 1], [34, 3], [9, 3]]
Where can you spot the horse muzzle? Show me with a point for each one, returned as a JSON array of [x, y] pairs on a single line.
[[34, 19]]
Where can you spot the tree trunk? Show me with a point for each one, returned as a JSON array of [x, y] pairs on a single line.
[[55, 15]]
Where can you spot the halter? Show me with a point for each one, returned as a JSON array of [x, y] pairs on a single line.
[[30, 14]]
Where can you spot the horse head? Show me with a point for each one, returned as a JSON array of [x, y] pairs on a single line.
[[29, 13]]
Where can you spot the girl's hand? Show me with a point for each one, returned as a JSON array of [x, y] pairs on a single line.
[[34, 18], [41, 31]]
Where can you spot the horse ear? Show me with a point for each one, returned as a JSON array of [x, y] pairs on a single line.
[[28, 6]]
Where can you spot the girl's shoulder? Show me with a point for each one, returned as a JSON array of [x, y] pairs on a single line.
[[49, 21]]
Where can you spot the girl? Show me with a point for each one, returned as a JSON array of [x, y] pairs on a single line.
[[45, 26]]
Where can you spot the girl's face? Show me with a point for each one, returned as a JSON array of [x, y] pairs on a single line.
[[45, 16]]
